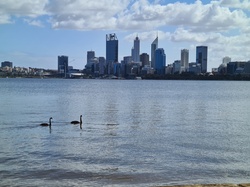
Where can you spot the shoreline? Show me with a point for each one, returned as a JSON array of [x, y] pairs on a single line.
[[198, 78], [210, 185]]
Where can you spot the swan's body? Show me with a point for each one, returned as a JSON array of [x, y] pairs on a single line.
[[47, 124], [77, 122]]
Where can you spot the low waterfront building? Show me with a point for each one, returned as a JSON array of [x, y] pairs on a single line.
[[194, 68], [247, 68], [147, 69], [169, 69], [236, 67]]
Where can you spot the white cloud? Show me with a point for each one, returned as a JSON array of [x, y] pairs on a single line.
[[130, 15], [34, 22], [4, 18], [182, 35], [29, 8], [84, 14], [197, 16], [241, 4], [223, 25], [149, 36]]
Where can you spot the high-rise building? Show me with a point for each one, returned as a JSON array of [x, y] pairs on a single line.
[[111, 51], [177, 66], [7, 63], [136, 50], [154, 46], [201, 57], [102, 63], [184, 59], [90, 55], [144, 58], [160, 61], [125, 65], [63, 65]]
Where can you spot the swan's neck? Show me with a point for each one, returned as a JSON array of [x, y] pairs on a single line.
[[81, 119], [49, 122]]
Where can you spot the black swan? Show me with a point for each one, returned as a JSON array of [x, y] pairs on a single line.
[[47, 124], [77, 122]]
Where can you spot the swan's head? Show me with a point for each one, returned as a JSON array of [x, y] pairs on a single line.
[[80, 116], [50, 118]]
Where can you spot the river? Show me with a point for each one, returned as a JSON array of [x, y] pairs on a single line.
[[134, 132]]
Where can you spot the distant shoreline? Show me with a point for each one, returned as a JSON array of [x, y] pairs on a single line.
[[153, 77], [199, 77], [210, 185]]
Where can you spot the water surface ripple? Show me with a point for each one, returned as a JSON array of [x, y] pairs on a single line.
[[134, 132]]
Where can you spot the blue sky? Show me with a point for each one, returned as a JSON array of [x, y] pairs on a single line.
[[34, 33]]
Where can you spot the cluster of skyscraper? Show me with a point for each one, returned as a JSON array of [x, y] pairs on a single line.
[[137, 64]]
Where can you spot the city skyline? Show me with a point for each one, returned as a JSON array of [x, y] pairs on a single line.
[[34, 33]]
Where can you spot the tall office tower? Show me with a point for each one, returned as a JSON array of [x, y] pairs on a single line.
[[154, 46], [144, 58], [111, 51], [201, 57], [160, 61], [226, 60], [63, 65], [102, 62], [184, 59], [136, 50], [90, 55]]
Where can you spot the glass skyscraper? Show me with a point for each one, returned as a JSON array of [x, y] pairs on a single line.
[[201, 57], [184, 59], [160, 61], [111, 48], [144, 58], [90, 55], [136, 50], [111, 52], [154, 46], [63, 65]]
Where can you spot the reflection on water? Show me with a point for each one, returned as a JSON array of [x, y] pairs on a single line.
[[134, 133]]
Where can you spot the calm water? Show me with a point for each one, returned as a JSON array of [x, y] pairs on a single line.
[[134, 133]]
